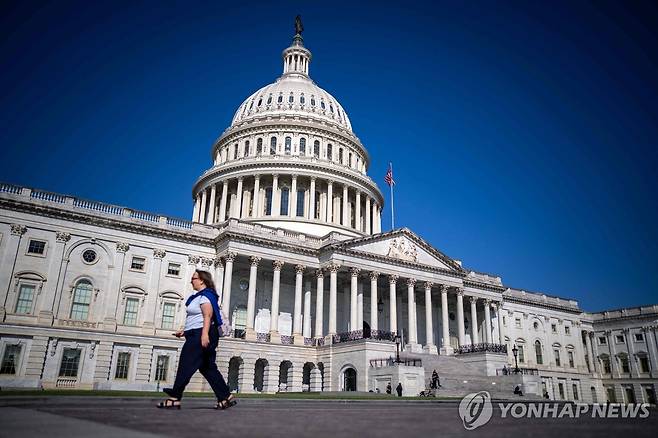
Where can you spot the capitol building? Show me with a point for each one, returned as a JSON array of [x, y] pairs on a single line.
[[288, 221]]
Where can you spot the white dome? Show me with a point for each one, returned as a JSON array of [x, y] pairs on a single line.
[[294, 95]]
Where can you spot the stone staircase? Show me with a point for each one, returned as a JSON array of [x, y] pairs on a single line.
[[459, 378]]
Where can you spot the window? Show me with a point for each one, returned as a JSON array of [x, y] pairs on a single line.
[[535, 325], [162, 365], [606, 365], [602, 340], [619, 339], [273, 146], [624, 364], [574, 388], [70, 362], [10, 359], [567, 330], [291, 98], [553, 328], [36, 247], [280, 99], [285, 195], [644, 364], [173, 269], [259, 146], [25, 298], [316, 148], [168, 315], [130, 314], [639, 337], [123, 361], [560, 388], [301, 99], [89, 256], [340, 156], [302, 146], [138, 263], [330, 152], [312, 101], [570, 358], [287, 145], [517, 322], [247, 148], [260, 101], [538, 353], [300, 202], [322, 104], [268, 201], [521, 354], [235, 151], [269, 99], [556, 353], [81, 300]]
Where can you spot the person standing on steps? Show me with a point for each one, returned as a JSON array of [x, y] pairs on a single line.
[[398, 389], [388, 388]]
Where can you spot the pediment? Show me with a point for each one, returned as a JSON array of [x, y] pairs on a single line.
[[400, 245]]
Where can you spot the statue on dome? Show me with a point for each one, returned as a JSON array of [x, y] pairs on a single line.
[[299, 27]]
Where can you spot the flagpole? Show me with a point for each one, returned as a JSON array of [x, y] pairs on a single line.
[[392, 208]]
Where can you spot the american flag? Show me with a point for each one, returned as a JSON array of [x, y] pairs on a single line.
[[389, 176]]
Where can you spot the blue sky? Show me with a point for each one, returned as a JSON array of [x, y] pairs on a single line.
[[523, 134]]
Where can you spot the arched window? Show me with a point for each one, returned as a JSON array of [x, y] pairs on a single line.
[[302, 146], [538, 353], [291, 98], [287, 145], [285, 195], [331, 108], [330, 152], [349, 160], [235, 151], [273, 146], [269, 99], [247, 148], [251, 105], [300, 202], [81, 300], [322, 104], [340, 156], [259, 146], [312, 101], [260, 102], [268, 201], [316, 210], [316, 148], [280, 99], [301, 99]]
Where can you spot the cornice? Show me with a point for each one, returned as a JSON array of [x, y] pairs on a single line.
[[513, 299], [484, 286]]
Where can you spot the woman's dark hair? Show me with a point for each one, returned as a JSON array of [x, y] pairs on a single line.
[[207, 279]]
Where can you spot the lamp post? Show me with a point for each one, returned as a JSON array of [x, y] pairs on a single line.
[[397, 348], [515, 352]]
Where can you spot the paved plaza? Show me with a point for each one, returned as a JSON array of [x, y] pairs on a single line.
[[102, 417]]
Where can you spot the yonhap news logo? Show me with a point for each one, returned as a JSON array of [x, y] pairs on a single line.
[[476, 409]]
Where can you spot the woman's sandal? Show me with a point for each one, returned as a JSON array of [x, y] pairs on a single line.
[[169, 403], [227, 403]]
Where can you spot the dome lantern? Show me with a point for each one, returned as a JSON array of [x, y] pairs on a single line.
[[296, 58]]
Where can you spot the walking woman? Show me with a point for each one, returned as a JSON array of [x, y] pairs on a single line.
[[199, 351]]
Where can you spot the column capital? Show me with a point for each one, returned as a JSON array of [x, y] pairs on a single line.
[[254, 260], [487, 301], [411, 282], [240, 178], [474, 300], [18, 230], [159, 253], [299, 269], [333, 268], [230, 256], [330, 182], [277, 264], [218, 262], [191, 259], [374, 275], [393, 279], [63, 237], [275, 175], [257, 177], [207, 262], [428, 285], [355, 271], [313, 178], [444, 288], [122, 247], [460, 292], [494, 305], [294, 176], [319, 273]]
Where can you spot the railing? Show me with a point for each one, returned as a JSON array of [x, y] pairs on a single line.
[[479, 348], [10, 188], [144, 216], [48, 196], [347, 336], [381, 335], [262, 337], [318, 342], [506, 371], [391, 361], [180, 223], [66, 382], [97, 206], [287, 340]]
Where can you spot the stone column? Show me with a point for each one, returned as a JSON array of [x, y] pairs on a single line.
[[446, 348], [501, 325], [429, 328], [150, 301], [330, 200], [256, 200], [368, 211], [297, 316], [590, 354], [292, 205], [333, 269], [359, 306], [460, 317], [275, 337], [374, 325], [110, 320], [311, 197], [235, 210], [392, 284], [353, 298], [211, 209], [55, 272], [222, 202], [319, 303], [202, 216], [487, 321], [276, 197], [346, 217], [357, 214], [411, 304], [475, 339], [219, 274], [306, 325], [228, 274], [251, 298], [197, 207]]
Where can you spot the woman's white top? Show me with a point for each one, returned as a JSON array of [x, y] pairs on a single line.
[[194, 318]]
